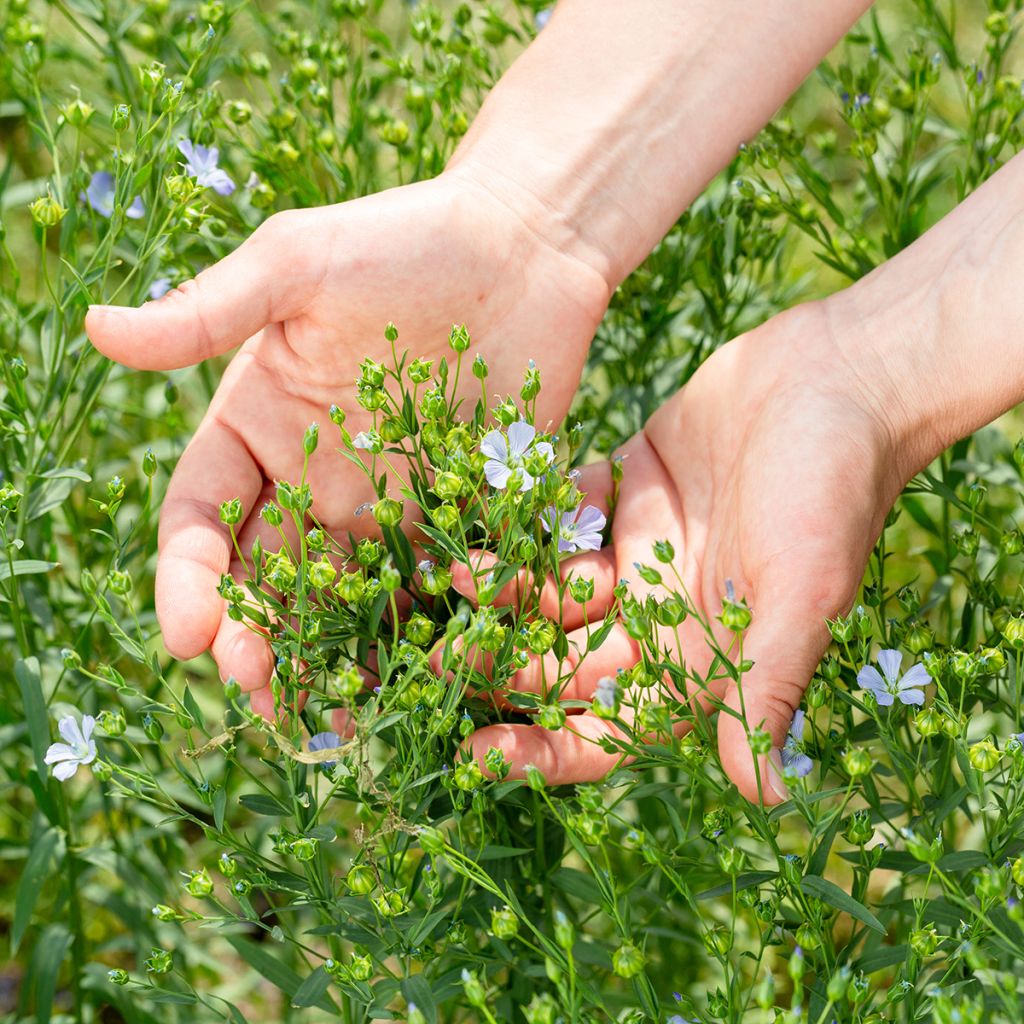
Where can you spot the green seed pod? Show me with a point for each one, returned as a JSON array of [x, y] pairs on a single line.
[[388, 512], [361, 879], [117, 976], [984, 755], [551, 716], [468, 775], [46, 211], [304, 848], [112, 723], [735, 615], [458, 338], [858, 762]]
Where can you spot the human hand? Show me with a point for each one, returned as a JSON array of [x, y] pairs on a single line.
[[773, 468], [307, 297]]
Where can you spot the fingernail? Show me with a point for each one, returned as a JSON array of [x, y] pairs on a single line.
[[773, 766], [104, 309]]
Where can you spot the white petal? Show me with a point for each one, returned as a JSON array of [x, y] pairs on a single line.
[[493, 446], [88, 725], [520, 436], [497, 473], [65, 770], [588, 541], [58, 752], [69, 728], [889, 662], [544, 447]]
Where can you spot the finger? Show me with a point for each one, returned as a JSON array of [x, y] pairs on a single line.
[[194, 545], [785, 642], [222, 307], [598, 566], [262, 702], [242, 653], [572, 754], [578, 673]]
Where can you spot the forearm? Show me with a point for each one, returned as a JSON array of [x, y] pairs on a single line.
[[937, 329], [621, 111]]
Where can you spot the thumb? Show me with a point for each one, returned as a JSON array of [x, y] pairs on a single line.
[[260, 283], [785, 642]]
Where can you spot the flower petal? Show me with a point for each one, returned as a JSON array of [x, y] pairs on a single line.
[[220, 181], [868, 678], [889, 662], [916, 675], [796, 730], [69, 728], [520, 437], [545, 449], [568, 546], [911, 697], [88, 725], [187, 150], [58, 752], [65, 770], [801, 765], [497, 473], [324, 741], [588, 541], [136, 211], [591, 519], [493, 446], [883, 697]]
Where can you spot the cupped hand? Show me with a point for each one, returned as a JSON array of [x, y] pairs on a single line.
[[774, 468], [307, 297]]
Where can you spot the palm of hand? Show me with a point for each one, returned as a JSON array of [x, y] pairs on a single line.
[[768, 470], [311, 292]]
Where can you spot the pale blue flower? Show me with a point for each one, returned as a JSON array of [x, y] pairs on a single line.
[[576, 534], [606, 693], [794, 760], [368, 440], [79, 748], [889, 685], [541, 18], [505, 458], [325, 741], [201, 164], [100, 197], [160, 287]]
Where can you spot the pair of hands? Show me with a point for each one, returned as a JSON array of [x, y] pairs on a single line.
[[774, 467]]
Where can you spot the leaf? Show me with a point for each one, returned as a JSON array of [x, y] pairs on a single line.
[[576, 883], [30, 885], [27, 673], [830, 893], [747, 880], [268, 965], [417, 990], [163, 995], [25, 567], [47, 959], [260, 803], [312, 990]]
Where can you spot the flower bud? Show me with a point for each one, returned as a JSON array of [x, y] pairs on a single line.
[[388, 512], [859, 829], [504, 923], [535, 778], [628, 961], [735, 615], [857, 762], [304, 848], [448, 485], [152, 728], [468, 775], [117, 976], [390, 577], [479, 367], [112, 723], [199, 884], [551, 716], [46, 211], [1013, 632], [458, 338]]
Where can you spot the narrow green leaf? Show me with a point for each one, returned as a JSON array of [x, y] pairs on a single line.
[[26, 671], [830, 893], [25, 567], [37, 867]]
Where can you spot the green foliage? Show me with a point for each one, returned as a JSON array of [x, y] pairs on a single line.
[[208, 866]]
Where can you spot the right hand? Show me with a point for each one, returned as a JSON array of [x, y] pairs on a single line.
[[307, 297]]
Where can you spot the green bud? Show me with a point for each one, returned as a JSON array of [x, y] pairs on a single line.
[[232, 689], [304, 848], [390, 577], [448, 485], [535, 778], [479, 367], [468, 775], [388, 512], [857, 761], [504, 923], [628, 961], [475, 993], [458, 338], [46, 211], [117, 976], [112, 723], [735, 615], [152, 728], [361, 879], [199, 884], [551, 716]]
